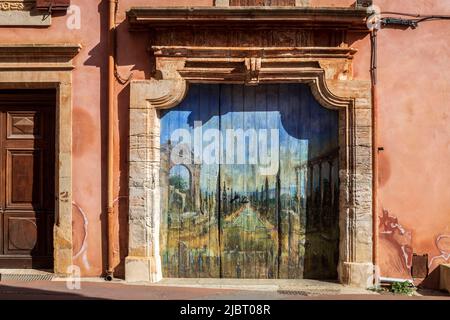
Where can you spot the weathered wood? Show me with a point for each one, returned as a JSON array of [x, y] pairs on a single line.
[[231, 220], [27, 178]]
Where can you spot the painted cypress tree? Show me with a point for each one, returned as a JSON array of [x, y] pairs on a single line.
[[267, 197], [225, 199], [218, 204], [232, 204], [261, 197]]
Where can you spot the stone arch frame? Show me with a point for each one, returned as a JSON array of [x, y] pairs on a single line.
[[327, 71], [149, 96], [50, 66]]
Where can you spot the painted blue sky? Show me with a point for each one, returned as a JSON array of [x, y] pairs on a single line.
[[305, 128]]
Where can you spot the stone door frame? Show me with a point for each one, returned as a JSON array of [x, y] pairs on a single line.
[[31, 66], [181, 58]]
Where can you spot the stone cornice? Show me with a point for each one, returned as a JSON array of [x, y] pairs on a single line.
[[261, 52], [344, 18], [254, 65], [37, 56], [16, 5]]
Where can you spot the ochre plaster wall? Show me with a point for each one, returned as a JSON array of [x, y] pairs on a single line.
[[414, 111], [414, 115]]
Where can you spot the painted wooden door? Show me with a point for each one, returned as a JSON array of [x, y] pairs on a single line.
[[27, 163], [249, 180]]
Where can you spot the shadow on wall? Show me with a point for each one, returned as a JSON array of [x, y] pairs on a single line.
[[122, 201], [97, 58], [432, 280], [132, 50], [139, 59]]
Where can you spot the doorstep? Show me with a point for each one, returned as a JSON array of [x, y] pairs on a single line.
[[291, 286]]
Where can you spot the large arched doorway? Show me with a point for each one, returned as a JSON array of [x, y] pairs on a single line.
[[264, 162], [250, 46]]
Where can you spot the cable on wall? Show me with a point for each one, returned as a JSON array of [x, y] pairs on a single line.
[[412, 23]]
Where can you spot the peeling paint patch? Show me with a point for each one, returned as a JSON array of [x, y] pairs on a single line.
[[396, 234], [443, 245], [83, 250]]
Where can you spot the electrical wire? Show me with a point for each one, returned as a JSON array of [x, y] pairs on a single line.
[[413, 15], [433, 18], [373, 56], [413, 23]]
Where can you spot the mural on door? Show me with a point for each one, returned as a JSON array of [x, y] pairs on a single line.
[[249, 184]]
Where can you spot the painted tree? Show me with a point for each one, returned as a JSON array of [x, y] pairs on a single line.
[[266, 195]]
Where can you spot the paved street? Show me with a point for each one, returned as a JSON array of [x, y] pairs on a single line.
[[188, 290]]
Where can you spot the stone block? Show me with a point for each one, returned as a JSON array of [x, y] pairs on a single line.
[[445, 277], [302, 3], [143, 269], [24, 18], [222, 3], [359, 275], [363, 117], [139, 235]]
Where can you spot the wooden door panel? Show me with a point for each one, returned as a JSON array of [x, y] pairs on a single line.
[[24, 179], [27, 173], [250, 247], [24, 125], [21, 234]]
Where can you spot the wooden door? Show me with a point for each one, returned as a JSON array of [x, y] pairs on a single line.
[[249, 246], [190, 221], [27, 160], [268, 207]]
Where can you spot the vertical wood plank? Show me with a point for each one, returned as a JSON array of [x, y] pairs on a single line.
[[263, 233]]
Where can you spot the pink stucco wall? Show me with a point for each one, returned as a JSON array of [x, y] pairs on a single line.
[[414, 111], [413, 125], [88, 114]]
